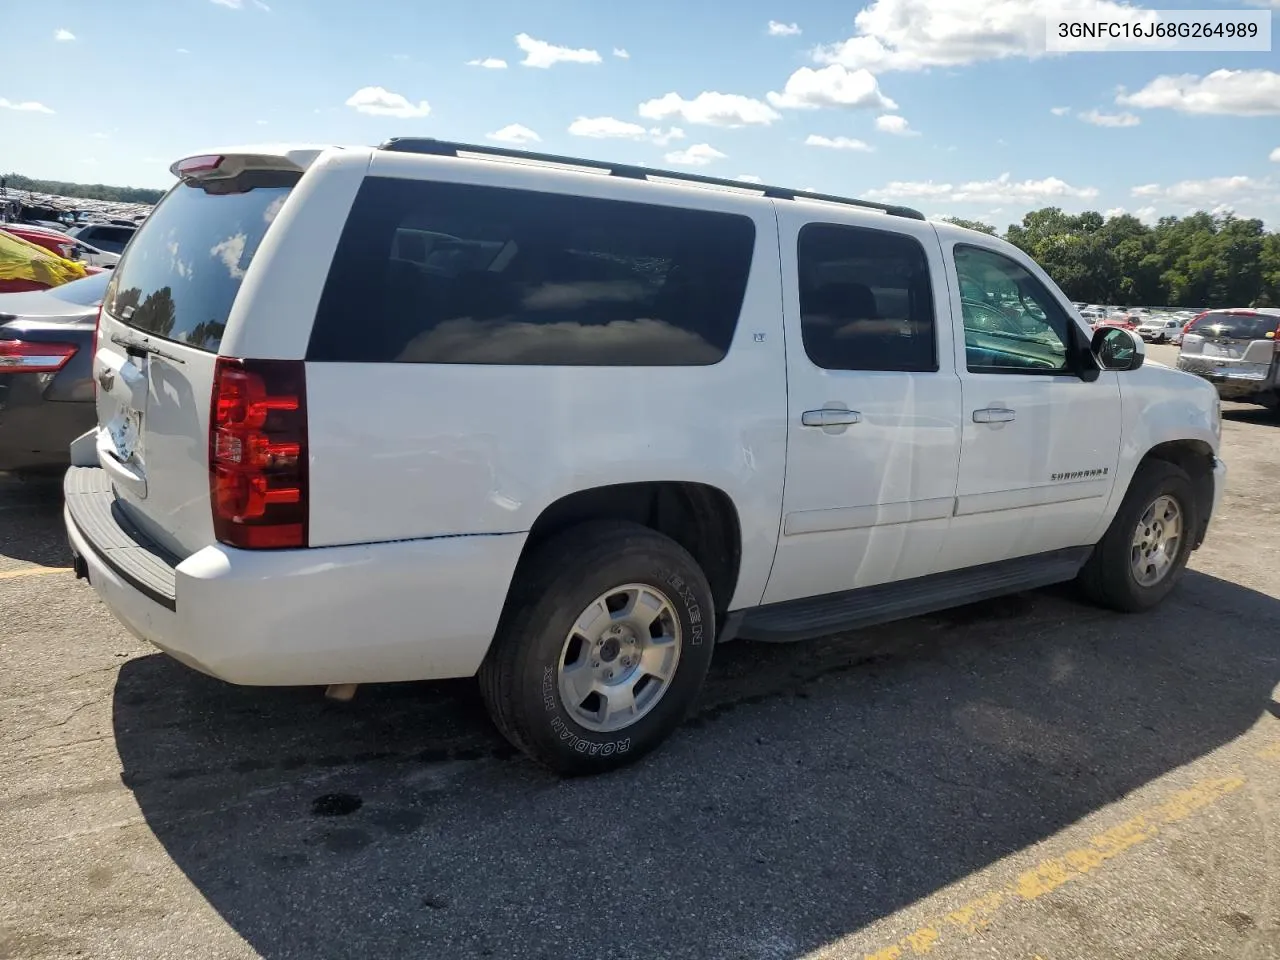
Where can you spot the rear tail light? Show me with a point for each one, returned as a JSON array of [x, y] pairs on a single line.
[[23, 356], [258, 453]]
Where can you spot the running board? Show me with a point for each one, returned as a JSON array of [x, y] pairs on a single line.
[[813, 617]]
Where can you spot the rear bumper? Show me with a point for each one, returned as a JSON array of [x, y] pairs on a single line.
[[408, 610], [1232, 379]]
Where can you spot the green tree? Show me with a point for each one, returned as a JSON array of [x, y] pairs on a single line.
[[972, 225]]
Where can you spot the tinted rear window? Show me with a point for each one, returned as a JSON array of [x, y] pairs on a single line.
[[184, 269], [431, 272], [1237, 326]]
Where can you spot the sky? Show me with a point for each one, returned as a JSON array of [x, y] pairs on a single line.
[[950, 106]]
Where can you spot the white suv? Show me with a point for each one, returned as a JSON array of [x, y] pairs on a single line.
[[426, 410]]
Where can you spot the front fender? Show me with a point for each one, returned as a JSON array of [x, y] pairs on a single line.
[[1160, 405]]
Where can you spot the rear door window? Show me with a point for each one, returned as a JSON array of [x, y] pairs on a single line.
[[429, 272], [1237, 326], [182, 273], [866, 302]]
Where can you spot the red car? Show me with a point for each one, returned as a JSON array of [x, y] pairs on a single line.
[[59, 243], [1118, 321]]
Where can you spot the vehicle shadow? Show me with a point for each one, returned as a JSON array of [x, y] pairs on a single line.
[[818, 788], [1252, 414], [31, 521]]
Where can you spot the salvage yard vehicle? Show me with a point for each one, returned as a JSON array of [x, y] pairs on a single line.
[[1238, 351], [46, 388], [1159, 329], [562, 425]]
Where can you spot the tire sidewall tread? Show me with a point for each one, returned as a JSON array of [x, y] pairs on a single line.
[[552, 586], [1108, 576]]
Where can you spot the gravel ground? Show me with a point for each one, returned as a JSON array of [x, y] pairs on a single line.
[[1028, 778]]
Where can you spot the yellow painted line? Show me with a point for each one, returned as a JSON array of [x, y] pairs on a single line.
[[32, 572], [1049, 875]]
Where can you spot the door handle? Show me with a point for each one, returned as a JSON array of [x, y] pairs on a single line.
[[994, 415], [827, 417]]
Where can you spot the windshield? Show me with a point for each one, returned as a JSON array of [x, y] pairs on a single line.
[[183, 269]]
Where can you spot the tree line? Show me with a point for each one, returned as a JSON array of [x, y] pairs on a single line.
[[83, 191], [1201, 260]]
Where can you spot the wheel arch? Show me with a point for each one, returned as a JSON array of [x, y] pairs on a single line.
[[1196, 458], [700, 517]]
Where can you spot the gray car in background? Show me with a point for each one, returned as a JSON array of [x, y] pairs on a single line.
[[46, 384], [1238, 351]]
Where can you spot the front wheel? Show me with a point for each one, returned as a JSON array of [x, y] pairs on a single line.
[[602, 648], [1145, 550]]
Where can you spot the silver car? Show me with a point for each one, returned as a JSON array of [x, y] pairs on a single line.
[[1239, 352]]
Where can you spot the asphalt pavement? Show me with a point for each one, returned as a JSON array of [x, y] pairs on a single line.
[[1028, 778]]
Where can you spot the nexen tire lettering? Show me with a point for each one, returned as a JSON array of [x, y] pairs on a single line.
[[691, 606]]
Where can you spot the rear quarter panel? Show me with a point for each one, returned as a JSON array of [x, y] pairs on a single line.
[[402, 450]]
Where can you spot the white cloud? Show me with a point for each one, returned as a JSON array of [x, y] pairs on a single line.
[[836, 143], [602, 128], [915, 34], [1241, 93], [63, 35], [898, 126], [514, 133], [749, 178], [1099, 119], [710, 109], [26, 106], [261, 6], [1002, 190], [698, 155], [233, 4], [261, 123], [621, 53], [609, 128], [1212, 190], [539, 53], [1275, 154], [777, 29], [489, 63], [183, 50], [1059, 111], [378, 102], [832, 86]]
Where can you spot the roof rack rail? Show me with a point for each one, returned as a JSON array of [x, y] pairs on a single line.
[[446, 148]]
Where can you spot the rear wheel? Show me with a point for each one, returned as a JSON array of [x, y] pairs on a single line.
[[602, 648], [1146, 548]]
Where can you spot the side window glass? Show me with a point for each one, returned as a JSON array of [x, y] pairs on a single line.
[[1012, 324], [436, 272], [866, 302]]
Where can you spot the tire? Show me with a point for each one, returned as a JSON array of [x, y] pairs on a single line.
[[523, 680], [1109, 577]]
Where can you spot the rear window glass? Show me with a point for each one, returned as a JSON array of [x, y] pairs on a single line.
[[1235, 326], [430, 272], [184, 268]]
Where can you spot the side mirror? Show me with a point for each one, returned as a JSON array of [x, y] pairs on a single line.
[[1116, 348]]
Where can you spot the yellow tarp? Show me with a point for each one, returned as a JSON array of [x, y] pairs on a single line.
[[22, 260]]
